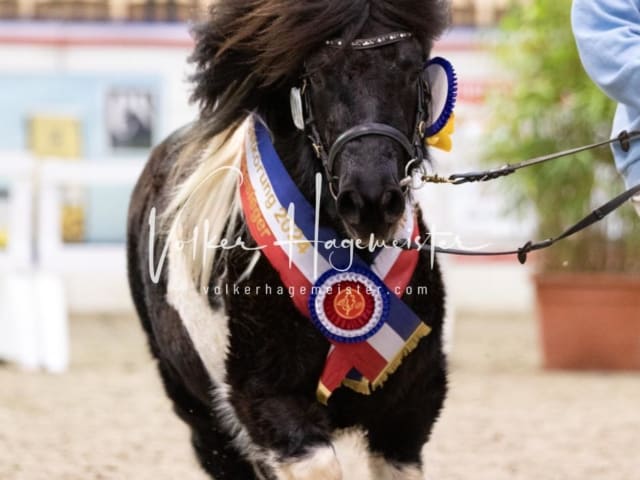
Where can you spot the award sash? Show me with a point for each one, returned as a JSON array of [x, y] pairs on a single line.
[[356, 306]]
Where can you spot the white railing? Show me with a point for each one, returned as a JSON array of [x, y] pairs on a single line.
[[57, 256], [33, 306]]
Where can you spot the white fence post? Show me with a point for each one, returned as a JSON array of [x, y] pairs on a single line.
[[18, 316], [57, 258]]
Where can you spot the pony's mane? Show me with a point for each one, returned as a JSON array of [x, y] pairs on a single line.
[[247, 53], [205, 199]]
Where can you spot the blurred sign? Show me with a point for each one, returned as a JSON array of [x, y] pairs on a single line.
[[73, 216], [130, 118], [54, 136]]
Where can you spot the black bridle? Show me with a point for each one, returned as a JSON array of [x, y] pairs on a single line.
[[415, 148], [417, 151]]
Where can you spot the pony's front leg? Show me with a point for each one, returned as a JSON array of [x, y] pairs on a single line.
[[398, 433], [396, 441], [294, 435], [319, 463]]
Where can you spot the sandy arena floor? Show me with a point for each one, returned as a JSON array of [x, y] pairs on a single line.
[[504, 418]]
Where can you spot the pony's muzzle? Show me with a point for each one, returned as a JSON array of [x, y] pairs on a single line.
[[371, 211]]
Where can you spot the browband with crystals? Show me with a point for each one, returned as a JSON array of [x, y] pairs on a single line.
[[364, 43]]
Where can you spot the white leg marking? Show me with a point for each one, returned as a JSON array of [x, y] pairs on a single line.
[[320, 464], [353, 455], [207, 328], [381, 469]]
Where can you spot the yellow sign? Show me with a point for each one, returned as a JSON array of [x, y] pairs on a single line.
[[73, 219], [55, 136]]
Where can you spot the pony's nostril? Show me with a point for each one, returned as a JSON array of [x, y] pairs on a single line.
[[350, 205], [392, 204]]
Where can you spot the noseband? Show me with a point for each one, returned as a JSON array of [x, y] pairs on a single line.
[[415, 148]]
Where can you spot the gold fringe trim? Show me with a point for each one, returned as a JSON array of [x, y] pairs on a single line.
[[365, 387], [411, 343], [360, 386], [323, 394]]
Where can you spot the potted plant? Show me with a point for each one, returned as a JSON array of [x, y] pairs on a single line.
[[588, 286]]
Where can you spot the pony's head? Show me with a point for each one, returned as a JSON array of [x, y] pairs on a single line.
[[364, 110], [251, 53]]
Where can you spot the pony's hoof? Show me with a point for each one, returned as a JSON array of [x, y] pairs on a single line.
[[320, 464], [384, 470]]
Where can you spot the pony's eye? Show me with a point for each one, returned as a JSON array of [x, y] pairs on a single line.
[[407, 65], [316, 79]]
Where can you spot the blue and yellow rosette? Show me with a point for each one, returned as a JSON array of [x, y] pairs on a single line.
[[443, 87]]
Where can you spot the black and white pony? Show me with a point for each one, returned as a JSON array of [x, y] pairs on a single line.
[[242, 370]]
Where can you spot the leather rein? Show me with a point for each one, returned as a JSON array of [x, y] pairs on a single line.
[[624, 139]]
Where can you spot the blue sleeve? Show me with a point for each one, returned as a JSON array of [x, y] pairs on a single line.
[[632, 173], [608, 37]]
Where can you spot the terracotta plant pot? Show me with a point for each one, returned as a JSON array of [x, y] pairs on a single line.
[[589, 321]]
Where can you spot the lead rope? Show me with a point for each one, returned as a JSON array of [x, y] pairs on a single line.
[[625, 138]]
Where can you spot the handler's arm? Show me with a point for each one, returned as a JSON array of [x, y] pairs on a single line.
[[608, 36], [607, 33]]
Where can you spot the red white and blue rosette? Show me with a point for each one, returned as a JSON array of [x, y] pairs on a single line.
[[350, 306]]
